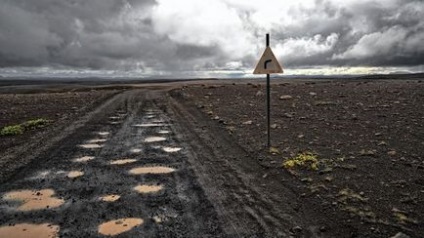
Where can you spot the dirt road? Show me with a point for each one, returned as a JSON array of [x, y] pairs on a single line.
[[132, 162]]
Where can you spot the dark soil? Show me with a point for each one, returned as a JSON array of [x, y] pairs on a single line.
[[368, 138]]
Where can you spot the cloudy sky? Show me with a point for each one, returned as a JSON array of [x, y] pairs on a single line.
[[208, 38]]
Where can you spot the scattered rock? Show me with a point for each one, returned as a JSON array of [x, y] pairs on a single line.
[[216, 118], [288, 115], [368, 153], [392, 152], [259, 93], [274, 126], [274, 151], [247, 123], [312, 93], [286, 97]]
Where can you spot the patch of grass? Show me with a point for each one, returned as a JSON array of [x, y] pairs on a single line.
[[26, 126], [12, 130], [35, 124], [306, 160]]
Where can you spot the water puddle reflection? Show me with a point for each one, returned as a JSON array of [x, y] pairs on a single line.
[[150, 125], [34, 199], [135, 151], [75, 174], [116, 227], [83, 159], [103, 133], [123, 161], [25, 230], [153, 139], [110, 198], [96, 141], [148, 188], [171, 149], [91, 146], [152, 170]]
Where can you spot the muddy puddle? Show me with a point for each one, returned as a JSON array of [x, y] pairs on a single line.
[[110, 198], [83, 159], [119, 226], [171, 149], [148, 188], [91, 146], [153, 139], [122, 161], [75, 174], [150, 125], [152, 170], [34, 199], [26, 230], [135, 151], [103, 133], [96, 141]]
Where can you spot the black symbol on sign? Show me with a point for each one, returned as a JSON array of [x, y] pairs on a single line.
[[266, 63]]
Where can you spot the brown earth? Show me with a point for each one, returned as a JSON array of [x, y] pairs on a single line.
[[367, 138]]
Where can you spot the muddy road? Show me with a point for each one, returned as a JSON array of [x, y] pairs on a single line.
[[142, 166]]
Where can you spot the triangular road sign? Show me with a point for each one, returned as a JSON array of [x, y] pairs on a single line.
[[268, 64]]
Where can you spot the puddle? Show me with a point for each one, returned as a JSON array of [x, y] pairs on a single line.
[[114, 118], [152, 170], [83, 159], [171, 149], [75, 174], [110, 198], [91, 146], [115, 122], [135, 151], [150, 125], [148, 188], [154, 139], [116, 227], [103, 133], [164, 132], [34, 199], [150, 116], [96, 141], [25, 230], [123, 161]]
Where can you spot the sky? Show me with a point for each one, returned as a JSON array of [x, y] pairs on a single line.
[[208, 38]]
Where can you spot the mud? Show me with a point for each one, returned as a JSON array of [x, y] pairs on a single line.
[[153, 139], [119, 226], [148, 188], [151, 170], [83, 159], [123, 161], [31, 200], [110, 198], [26, 230], [75, 174]]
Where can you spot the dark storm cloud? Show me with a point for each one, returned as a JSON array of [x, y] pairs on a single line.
[[369, 34], [166, 35], [79, 33]]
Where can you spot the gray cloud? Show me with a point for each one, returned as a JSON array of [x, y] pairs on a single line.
[[163, 35]]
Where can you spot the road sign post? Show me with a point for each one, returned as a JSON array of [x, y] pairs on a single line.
[[268, 64]]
